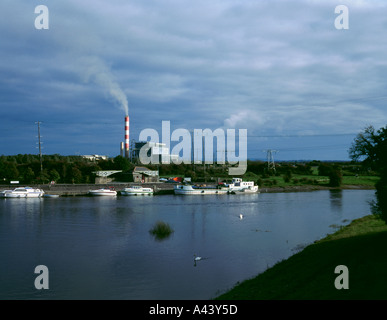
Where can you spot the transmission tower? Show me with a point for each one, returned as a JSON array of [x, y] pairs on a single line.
[[40, 146], [270, 159]]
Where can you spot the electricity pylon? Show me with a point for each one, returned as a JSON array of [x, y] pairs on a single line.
[[270, 159], [40, 146]]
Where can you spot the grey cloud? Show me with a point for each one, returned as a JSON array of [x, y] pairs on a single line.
[[269, 66]]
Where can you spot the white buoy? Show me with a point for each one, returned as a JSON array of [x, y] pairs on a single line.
[[241, 216]]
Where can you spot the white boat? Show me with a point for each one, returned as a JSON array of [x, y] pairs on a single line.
[[51, 195], [194, 190], [239, 186], [22, 192], [103, 192], [136, 190]]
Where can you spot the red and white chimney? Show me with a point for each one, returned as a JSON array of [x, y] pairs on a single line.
[[127, 137]]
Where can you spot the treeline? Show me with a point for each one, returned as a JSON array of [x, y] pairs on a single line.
[[26, 169]]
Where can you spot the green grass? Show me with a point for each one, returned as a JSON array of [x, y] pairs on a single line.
[[309, 274], [315, 180], [360, 180]]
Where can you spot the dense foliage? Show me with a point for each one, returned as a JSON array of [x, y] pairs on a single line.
[[370, 146], [61, 169]]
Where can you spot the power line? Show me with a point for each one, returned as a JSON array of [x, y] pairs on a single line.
[[302, 135], [337, 146]]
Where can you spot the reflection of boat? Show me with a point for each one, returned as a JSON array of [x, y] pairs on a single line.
[[190, 189], [136, 190], [103, 192], [238, 186], [22, 192]]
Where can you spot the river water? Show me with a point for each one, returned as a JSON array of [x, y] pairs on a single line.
[[101, 248]]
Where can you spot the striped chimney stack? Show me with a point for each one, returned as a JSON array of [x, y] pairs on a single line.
[[127, 137]]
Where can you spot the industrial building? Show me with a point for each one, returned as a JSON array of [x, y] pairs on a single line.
[[144, 175], [95, 157], [157, 152]]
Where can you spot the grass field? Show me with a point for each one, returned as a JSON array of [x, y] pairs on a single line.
[[301, 180], [309, 274]]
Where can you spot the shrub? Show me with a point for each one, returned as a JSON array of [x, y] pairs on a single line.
[[288, 176], [161, 230], [335, 177], [380, 206]]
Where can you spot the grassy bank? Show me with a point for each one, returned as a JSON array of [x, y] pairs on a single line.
[[365, 182], [309, 274]]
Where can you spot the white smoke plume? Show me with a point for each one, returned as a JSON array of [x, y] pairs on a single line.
[[96, 70]]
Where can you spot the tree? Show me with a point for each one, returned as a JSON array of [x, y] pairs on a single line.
[[335, 176], [75, 175], [371, 146], [54, 175], [288, 175], [324, 169], [10, 171], [123, 163], [29, 175]]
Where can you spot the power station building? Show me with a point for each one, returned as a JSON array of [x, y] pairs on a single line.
[[156, 152]]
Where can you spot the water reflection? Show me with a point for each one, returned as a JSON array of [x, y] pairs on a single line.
[[336, 199], [101, 247]]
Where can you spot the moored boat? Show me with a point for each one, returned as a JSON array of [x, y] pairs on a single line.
[[136, 190], [51, 195], [240, 186], [103, 192], [22, 192], [195, 190]]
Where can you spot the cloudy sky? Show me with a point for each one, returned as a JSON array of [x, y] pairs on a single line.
[[279, 69]]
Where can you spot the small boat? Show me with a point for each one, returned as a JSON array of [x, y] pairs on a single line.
[[103, 192], [51, 195], [22, 192], [136, 190], [240, 186], [195, 190]]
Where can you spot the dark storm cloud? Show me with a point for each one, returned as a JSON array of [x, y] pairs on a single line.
[[273, 67]]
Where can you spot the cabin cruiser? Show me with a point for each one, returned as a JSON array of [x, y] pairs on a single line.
[[103, 192], [22, 192], [190, 189], [136, 190], [238, 185]]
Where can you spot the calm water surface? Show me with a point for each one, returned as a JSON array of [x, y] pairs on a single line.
[[101, 248]]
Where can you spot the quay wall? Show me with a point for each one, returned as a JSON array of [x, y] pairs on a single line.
[[83, 189]]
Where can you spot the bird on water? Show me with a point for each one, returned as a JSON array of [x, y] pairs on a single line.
[[196, 258]]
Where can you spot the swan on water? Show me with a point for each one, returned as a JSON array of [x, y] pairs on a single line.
[[196, 258]]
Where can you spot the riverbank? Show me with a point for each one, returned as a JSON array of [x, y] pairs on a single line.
[[309, 274], [306, 188], [161, 188], [66, 190]]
